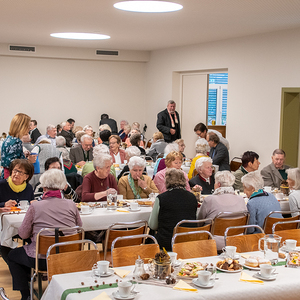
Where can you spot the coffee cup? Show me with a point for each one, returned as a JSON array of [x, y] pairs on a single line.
[[103, 266], [125, 288], [230, 251], [23, 204], [266, 270], [204, 277], [134, 205], [173, 257], [290, 245], [85, 209], [120, 197]]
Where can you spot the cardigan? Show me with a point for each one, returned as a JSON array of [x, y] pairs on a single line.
[[122, 155]]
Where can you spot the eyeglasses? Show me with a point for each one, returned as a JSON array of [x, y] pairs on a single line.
[[15, 171]]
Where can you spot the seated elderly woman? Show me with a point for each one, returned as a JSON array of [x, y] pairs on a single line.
[[201, 147], [136, 185], [53, 211], [223, 199], [97, 184], [204, 180], [172, 206], [61, 142], [158, 145], [88, 129], [117, 154], [293, 180], [134, 131], [135, 140], [181, 146], [260, 203], [173, 160]]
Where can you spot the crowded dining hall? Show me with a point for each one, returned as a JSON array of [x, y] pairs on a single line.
[[150, 151]]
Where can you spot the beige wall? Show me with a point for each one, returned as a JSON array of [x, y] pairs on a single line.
[[258, 66]]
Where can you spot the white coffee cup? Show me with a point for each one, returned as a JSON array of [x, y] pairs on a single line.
[[268, 189], [290, 244], [23, 204], [204, 277], [85, 209], [266, 270], [120, 197], [103, 266], [124, 288], [230, 251], [134, 205], [173, 257]]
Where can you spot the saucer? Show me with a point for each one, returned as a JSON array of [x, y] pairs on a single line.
[[108, 273], [116, 295], [210, 284], [259, 276], [284, 249], [177, 263], [138, 209], [86, 213]]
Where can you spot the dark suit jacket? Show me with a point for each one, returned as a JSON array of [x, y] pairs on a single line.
[[67, 136], [271, 175], [163, 124], [221, 157], [34, 134], [206, 187], [76, 154], [111, 123]]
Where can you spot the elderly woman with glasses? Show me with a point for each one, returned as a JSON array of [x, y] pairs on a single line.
[[53, 211], [117, 154], [293, 180], [136, 185]]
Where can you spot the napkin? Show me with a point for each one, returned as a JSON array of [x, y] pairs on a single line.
[[247, 278], [102, 296], [245, 255], [121, 273], [183, 286], [122, 210]]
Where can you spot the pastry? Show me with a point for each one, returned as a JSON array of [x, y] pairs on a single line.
[[251, 262], [263, 261]]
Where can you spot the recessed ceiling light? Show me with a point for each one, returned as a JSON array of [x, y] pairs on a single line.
[[80, 36], [148, 6]]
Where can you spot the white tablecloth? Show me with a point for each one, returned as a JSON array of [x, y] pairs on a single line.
[[286, 286], [100, 219]]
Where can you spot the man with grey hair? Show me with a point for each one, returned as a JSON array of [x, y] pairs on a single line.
[[84, 152], [168, 122], [51, 135], [274, 173], [66, 127], [60, 142]]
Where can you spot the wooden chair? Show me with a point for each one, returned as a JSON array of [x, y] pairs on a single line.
[[43, 242], [293, 234], [125, 256], [69, 262], [246, 242], [195, 172], [160, 155], [122, 229], [188, 238], [2, 294], [235, 163], [200, 248], [270, 221], [229, 219]]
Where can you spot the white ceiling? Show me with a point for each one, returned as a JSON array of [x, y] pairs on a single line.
[[30, 22]]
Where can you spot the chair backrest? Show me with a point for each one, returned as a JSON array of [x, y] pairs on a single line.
[[246, 242], [124, 229], [230, 219], [2, 294], [195, 172], [283, 224], [235, 163], [200, 248], [187, 238], [148, 158], [159, 155], [269, 221], [69, 262], [125, 256]]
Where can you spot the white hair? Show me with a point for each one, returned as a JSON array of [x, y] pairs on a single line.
[[65, 153], [225, 178], [53, 179], [136, 161], [253, 179], [50, 127], [294, 174], [87, 127], [200, 161], [133, 151], [85, 136], [44, 141], [100, 149], [100, 160], [125, 121], [171, 147], [104, 127], [63, 124], [60, 141], [201, 146]]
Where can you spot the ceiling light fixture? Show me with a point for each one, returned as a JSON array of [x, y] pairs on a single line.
[[80, 36], [148, 6]]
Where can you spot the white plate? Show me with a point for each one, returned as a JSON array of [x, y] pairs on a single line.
[[284, 249], [226, 271], [138, 209], [258, 275], [211, 283], [109, 273], [86, 213], [236, 257], [178, 263], [116, 295], [252, 268]]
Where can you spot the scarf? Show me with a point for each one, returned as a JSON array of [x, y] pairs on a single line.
[[175, 117], [52, 194], [136, 193], [258, 193], [16, 188], [224, 190]]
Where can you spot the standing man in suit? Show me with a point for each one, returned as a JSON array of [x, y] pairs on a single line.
[[84, 152], [274, 173], [168, 123], [34, 132], [218, 152], [110, 122]]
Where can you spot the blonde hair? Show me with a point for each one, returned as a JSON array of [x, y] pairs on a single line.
[[104, 127], [157, 136], [19, 125], [171, 157]]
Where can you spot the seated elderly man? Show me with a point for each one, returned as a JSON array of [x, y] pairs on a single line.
[[158, 145], [250, 163], [60, 142], [204, 180], [260, 203], [218, 152], [136, 185], [66, 126], [84, 152], [274, 173], [51, 135], [88, 129], [222, 200], [135, 140]]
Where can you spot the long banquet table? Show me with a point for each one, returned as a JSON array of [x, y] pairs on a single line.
[[99, 219], [286, 286]]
